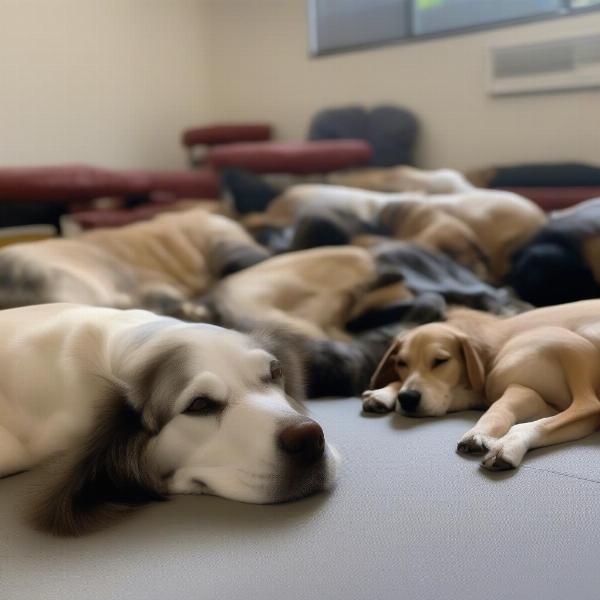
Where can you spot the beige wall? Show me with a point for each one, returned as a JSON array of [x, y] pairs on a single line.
[[109, 82], [113, 82], [261, 70]]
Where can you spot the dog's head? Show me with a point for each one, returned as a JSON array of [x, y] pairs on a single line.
[[440, 368], [195, 409]]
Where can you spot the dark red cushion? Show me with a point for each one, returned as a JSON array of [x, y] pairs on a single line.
[[299, 158], [226, 133], [81, 182], [554, 198]]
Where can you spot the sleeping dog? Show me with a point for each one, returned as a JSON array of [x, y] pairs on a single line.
[[536, 374], [158, 264], [141, 406], [321, 292], [480, 229], [313, 293], [567, 249]]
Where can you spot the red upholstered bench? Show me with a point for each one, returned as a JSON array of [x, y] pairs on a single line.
[[43, 194], [226, 133], [296, 158], [72, 183], [222, 133]]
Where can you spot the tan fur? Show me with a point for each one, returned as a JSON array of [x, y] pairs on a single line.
[[543, 364], [313, 292], [479, 228], [176, 255]]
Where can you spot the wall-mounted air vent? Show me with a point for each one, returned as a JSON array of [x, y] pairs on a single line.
[[559, 64]]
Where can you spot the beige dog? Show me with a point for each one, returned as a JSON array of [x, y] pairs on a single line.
[[313, 293], [479, 228], [539, 369], [158, 264]]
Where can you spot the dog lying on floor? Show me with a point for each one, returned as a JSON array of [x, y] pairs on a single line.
[[142, 406], [319, 293], [537, 374], [313, 293], [158, 264], [480, 229]]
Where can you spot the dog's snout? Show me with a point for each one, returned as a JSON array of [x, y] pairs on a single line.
[[303, 441], [409, 400]]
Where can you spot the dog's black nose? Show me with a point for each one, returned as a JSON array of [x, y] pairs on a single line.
[[409, 400], [303, 441]]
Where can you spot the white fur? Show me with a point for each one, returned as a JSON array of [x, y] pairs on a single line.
[[57, 362]]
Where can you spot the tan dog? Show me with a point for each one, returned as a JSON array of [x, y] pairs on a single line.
[[311, 292], [479, 228], [158, 264], [541, 367]]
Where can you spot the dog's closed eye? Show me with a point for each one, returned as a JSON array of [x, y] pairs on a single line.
[[401, 364], [437, 362], [204, 406]]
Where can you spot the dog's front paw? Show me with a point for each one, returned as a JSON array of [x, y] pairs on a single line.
[[506, 453], [474, 442], [377, 401]]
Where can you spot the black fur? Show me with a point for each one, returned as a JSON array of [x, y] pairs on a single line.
[[21, 281], [231, 256], [343, 369], [422, 309], [107, 476], [551, 270], [326, 227]]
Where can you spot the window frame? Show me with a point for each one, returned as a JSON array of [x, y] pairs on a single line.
[[312, 26]]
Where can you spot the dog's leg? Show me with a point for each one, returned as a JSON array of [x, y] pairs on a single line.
[[14, 458], [382, 400], [581, 418], [517, 404], [572, 424]]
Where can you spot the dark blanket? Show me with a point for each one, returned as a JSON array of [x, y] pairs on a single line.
[[425, 272], [551, 268]]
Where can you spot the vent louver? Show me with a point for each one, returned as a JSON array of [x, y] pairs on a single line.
[[553, 65]]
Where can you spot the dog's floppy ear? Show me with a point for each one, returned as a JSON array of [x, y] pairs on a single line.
[[473, 363], [385, 372], [107, 476]]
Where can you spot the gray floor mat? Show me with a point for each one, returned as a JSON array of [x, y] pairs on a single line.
[[409, 519]]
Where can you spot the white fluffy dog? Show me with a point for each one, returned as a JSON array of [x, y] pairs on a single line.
[[140, 406]]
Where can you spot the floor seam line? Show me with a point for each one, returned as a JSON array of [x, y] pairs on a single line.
[[560, 473]]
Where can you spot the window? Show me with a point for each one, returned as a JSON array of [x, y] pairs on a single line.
[[434, 16], [336, 25]]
